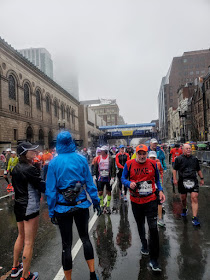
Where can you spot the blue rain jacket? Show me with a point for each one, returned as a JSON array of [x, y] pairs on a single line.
[[160, 156], [68, 168]]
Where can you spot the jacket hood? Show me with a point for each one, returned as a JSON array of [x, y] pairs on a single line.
[[65, 143]]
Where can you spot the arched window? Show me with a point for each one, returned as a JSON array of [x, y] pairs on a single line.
[[62, 112], [55, 108], [47, 104], [38, 100], [41, 137], [50, 139], [26, 94], [12, 87], [73, 116], [207, 103], [68, 113], [29, 134]]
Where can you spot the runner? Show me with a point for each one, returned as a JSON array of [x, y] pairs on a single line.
[[187, 165], [8, 156], [175, 152], [46, 158], [140, 175], [13, 161], [68, 181], [106, 171], [160, 153], [27, 185], [121, 159], [153, 155]]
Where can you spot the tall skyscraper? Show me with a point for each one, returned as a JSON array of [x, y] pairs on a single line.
[[41, 58], [183, 69]]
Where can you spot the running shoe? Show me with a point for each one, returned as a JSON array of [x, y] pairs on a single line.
[[17, 270], [32, 276], [161, 223], [184, 212], [125, 198], [9, 186], [155, 266], [195, 221], [144, 251]]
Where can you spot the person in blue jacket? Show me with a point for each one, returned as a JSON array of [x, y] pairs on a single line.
[[68, 180], [160, 154]]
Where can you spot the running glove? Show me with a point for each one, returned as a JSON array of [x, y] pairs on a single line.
[[98, 209], [111, 181]]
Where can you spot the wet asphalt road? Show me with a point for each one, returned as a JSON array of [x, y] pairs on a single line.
[[184, 250]]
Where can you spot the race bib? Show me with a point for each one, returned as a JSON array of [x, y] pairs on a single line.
[[104, 173], [189, 184], [145, 188]]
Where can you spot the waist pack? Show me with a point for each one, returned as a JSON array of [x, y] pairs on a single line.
[[189, 183], [143, 188], [71, 193]]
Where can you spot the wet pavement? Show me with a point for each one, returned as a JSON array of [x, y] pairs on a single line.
[[184, 250]]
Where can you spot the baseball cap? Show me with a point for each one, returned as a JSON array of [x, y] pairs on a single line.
[[152, 154], [8, 150], [24, 147], [141, 147], [121, 146], [153, 140], [13, 152], [104, 148]]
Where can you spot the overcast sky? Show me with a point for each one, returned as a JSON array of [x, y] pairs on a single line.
[[122, 48]]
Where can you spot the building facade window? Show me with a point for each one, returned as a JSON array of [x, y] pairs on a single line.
[[73, 116], [68, 113], [15, 134], [47, 104], [55, 108], [38, 100], [12, 87], [62, 112], [26, 94]]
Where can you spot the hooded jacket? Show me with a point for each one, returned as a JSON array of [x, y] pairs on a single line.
[[160, 156], [68, 168]]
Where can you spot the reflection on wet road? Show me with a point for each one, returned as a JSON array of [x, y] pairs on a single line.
[[184, 250]]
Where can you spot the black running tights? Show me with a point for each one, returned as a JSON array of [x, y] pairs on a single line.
[[65, 223]]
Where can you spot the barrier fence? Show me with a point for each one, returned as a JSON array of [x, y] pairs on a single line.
[[203, 156]]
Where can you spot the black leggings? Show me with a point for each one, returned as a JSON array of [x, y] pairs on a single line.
[[65, 222], [149, 210], [119, 175]]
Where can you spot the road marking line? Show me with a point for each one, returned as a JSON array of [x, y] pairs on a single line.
[[60, 275], [10, 194]]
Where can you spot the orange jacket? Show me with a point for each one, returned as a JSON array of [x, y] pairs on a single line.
[[46, 158]]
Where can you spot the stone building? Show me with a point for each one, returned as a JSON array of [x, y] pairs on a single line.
[[183, 69], [32, 106], [89, 123], [107, 109]]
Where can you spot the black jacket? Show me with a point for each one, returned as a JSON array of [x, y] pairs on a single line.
[[28, 185]]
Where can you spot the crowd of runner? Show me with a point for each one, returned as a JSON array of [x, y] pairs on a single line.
[[66, 176]]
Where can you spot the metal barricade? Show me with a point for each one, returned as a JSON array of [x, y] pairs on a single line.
[[203, 156]]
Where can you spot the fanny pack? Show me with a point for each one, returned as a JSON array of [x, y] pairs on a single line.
[[143, 188], [189, 183], [71, 193]]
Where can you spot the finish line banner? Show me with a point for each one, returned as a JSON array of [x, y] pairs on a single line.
[[129, 133]]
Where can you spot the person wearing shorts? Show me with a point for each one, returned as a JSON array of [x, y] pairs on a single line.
[[105, 171], [188, 167], [28, 185]]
